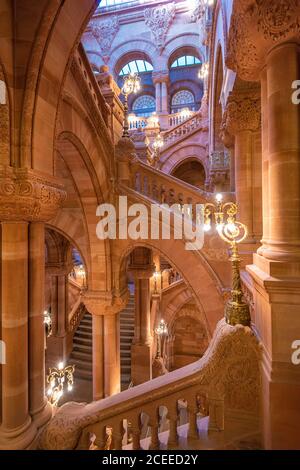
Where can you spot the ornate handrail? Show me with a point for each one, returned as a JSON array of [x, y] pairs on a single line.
[[190, 125], [227, 375], [76, 316]]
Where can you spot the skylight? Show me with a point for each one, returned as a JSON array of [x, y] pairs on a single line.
[[185, 61], [136, 66]]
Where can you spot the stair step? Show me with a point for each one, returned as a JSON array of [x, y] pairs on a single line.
[[83, 374], [82, 365], [87, 328], [82, 348], [83, 356], [80, 340]]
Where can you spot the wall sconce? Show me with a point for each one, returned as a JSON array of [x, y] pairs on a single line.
[[56, 379], [237, 311]]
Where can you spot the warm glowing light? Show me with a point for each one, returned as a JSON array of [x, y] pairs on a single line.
[[219, 197], [219, 227], [204, 71], [207, 227], [60, 365], [162, 328]]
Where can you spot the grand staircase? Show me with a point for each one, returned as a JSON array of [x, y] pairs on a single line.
[[82, 354], [126, 337]]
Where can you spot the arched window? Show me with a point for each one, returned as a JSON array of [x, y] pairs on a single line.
[[136, 66], [183, 99], [144, 106], [185, 61]]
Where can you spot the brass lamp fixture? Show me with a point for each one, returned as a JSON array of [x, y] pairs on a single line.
[[56, 379], [160, 331], [157, 145], [204, 71], [132, 84], [48, 323], [237, 311]]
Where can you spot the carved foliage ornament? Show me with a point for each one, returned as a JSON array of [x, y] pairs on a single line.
[[242, 114], [105, 32], [159, 19], [255, 26]]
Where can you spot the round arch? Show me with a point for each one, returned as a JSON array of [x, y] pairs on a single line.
[[76, 159], [192, 266], [191, 171], [170, 160], [140, 49]]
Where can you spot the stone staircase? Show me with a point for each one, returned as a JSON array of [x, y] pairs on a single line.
[[126, 337], [82, 354]]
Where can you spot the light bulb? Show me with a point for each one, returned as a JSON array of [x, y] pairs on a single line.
[[207, 227], [60, 365], [231, 227], [219, 227], [49, 392], [219, 197], [70, 387]]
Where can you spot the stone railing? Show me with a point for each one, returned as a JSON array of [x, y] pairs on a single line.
[[228, 374], [137, 122], [190, 125], [165, 189], [176, 119]]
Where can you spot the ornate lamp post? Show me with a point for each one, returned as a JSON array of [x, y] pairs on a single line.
[[56, 380], [157, 145], [132, 84], [237, 311], [160, 331]]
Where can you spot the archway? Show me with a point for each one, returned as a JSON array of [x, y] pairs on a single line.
[[191, 171]]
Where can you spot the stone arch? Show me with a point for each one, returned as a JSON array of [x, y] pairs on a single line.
[[39, 111], [184, 50], [191, 171], [76, 158], [192, 267], [187, 42], [5, 119], [140, 48], [171, 159]]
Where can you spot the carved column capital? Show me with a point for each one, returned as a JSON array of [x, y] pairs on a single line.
[[161, 77], [27, 195], [105, 303], [256, 27], [242, 113]]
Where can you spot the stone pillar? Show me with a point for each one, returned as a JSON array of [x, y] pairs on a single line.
[[141, 351], [112, 372], [158, 96], [105, 308], [17, 429], [161, 80], [164, 97], [276, 267], [23, 212], [98, 358], [275, 272], [57, 348], [38, 405], [242, 120]]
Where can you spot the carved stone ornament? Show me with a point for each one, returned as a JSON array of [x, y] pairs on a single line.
[[104, 303], [27, 195], [256, 26], [105, 32], [242, 113], [159, 19], [228, 374]]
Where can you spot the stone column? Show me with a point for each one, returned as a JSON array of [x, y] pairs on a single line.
[[105, 308], [112, 372], [164, 96], [141, 351], [17, 430], [98, 358], [158, 96], [23, 212], [275, 271], [242, 120], [38, 405]]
